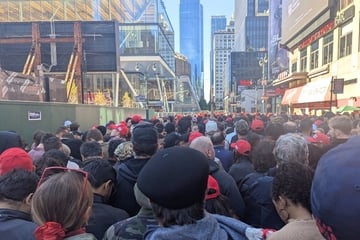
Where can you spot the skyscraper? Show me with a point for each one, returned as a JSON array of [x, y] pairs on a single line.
[[191, 41], [217, 23], [222, 47], [251, 25]]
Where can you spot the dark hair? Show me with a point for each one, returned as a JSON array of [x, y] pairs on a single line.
[[94, 135], [219, 205], [184, 125], [201, 127], [315, 154], [91, 149], [169, 127], [74, 126], [37, 137], [100, 171], [61, 129], [169, 217], [102, 129], [50, 158], [293, 180], [305, 124], [113, 145], [50, 141], [262, 156], [274, 130], [217, 138], [145, 149], [17, 184], [172, 139]]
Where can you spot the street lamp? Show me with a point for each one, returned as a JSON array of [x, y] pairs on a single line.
[[262, 63]]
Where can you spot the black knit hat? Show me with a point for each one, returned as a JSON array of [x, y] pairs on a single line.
[[175, 177], [144, 133]]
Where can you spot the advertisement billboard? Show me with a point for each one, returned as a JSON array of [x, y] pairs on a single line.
[[278, 57], [297, 14]]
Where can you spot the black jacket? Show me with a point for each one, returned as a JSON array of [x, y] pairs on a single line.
[[127, 174], [103, 216], [228, 188], [260, 211], [16, 225]]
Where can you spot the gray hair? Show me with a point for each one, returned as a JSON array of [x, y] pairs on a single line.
[[291, 147]]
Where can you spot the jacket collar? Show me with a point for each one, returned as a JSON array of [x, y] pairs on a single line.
[[14, 214]]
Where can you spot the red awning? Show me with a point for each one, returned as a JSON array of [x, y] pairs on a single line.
[[291, 96]]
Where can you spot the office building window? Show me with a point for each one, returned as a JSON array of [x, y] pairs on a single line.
[[328, 48], [345, 3], [314, 55], [345, 40], [303, 60]]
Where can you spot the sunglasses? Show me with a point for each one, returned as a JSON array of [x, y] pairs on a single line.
[[50, 171]]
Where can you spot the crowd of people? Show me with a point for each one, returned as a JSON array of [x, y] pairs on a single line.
[[237, 176]]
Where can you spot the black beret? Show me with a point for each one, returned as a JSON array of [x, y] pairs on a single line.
[[175, 177]]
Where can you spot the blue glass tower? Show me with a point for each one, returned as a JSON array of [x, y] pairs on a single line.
[[191, 40]]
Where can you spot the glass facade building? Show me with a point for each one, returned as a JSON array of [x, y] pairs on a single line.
[[191, 40], [145, 33]]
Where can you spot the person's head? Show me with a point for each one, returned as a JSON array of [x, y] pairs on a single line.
[[16, 189], [94, 135], [8, 140], [306, 126], [291, 147], [290, 127], [242, 127], [335, 191], [257, 126], [262, 157], [172, 139], [71, 193], [218, 138], [102, 176], [194, 135], [13, 158], [51, 158], [291, 189], [242, 149], [113, 144], [169, 127], [144, 139], [204, 145], [74, 127], [91, 150], [184, 125], [274, 131], [37, 137], [340, 127], [124, 151], [215, 202], [211, 127], [50, 141], [61, 131], [181, 200]]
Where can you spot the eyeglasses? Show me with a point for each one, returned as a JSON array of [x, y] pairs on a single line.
[[50, 171]]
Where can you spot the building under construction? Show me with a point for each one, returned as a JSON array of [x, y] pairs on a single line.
[[116, 53]]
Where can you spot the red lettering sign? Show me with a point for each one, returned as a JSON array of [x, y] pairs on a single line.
[[323, 31]]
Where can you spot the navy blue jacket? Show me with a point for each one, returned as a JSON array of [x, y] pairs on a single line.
[[16, 225], [126, 176]]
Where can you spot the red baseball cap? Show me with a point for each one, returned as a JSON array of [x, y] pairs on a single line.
[[194, 135], [13, 158], [213, 189], [242, 146], [257, 125]]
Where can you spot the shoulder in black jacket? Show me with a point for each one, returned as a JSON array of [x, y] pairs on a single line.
[[126, 176], [16, 225]]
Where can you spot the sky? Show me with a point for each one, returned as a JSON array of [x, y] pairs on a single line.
[[210, 8]]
